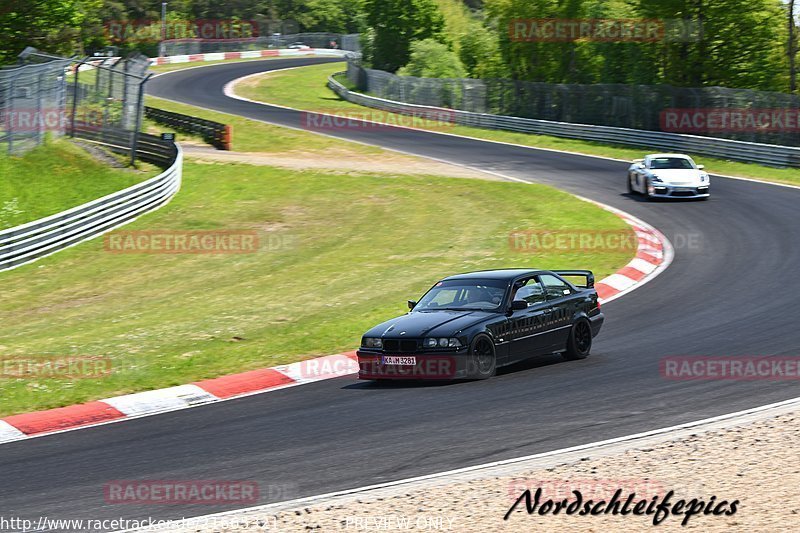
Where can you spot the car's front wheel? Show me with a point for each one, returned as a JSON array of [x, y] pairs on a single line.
[[649, 191], [630, 184], [579, 343], [482, 358]]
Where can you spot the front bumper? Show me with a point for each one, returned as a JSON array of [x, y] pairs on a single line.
[[663, 190], [430, 366]]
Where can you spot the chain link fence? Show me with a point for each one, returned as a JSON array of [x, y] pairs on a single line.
[[32, 100], [91, 98], [177, 47], [641, 107]]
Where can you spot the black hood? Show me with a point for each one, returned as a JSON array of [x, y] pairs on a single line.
[[422, 324]]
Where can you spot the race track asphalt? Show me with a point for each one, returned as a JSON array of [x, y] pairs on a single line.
[[730, 291]]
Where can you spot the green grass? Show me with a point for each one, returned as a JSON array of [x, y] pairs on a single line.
[[304, 88], [353, 248], [54, 177]]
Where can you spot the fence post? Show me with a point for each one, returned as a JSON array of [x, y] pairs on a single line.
[[75, 97], [41, 119], [9, 113], [138, 127], [227, 138]]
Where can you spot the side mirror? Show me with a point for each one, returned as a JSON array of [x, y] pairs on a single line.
[[518, 305], [701, 167], [412, 304]]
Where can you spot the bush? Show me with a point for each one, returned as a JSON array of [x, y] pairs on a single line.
[[432, 59]]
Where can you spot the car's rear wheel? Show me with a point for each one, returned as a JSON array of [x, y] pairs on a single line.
[[482, 358], [579, 343]]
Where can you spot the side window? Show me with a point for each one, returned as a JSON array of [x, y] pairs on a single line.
[[554, 287], [530, 291]]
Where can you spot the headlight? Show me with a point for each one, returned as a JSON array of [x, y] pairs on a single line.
[[703, 177], [441, 343], [656, 178], [371, 342]]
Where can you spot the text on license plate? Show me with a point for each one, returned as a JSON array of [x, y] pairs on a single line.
[[399, 360]]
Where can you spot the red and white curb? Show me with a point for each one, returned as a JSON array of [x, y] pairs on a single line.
[[250, 54], [27, 425], [653, 255]]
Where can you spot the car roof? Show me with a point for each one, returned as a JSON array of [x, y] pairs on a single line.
[[502, 274], [653, 156]]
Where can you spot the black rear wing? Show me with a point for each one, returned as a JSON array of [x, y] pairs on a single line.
[[586, 274]]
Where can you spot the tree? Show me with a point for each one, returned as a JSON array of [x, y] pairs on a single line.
[[395, 24], [432, 59], [50, 25], [479, 52]]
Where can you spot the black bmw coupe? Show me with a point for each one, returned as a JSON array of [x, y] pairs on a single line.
[[468, 325]]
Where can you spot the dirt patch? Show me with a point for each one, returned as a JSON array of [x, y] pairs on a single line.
[[336, 161]]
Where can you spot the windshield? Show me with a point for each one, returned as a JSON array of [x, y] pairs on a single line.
[[478, 294], [671, 162]]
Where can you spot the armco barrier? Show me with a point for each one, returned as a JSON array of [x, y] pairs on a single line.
[[214, 133], [767, 154], [31, 241]]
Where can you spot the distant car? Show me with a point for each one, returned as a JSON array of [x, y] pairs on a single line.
[[668, 176], [468, 325], [298, 46]]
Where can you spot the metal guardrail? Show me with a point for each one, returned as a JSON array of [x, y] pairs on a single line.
[[28, 242], [749, 152], [214, 133]]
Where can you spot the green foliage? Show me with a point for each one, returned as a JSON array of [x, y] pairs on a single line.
[[50, 25], [395, 24], [742, 44], [479, 51], [432, 59]]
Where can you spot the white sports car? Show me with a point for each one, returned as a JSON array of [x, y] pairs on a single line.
[[668, 176]]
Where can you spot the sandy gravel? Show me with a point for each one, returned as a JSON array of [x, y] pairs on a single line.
[[757, 464], [337, 161]]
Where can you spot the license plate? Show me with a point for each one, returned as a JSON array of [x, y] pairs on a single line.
[[403, 360]]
